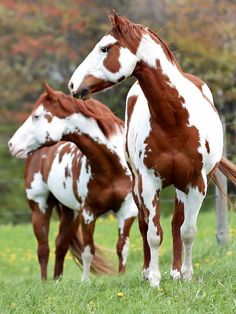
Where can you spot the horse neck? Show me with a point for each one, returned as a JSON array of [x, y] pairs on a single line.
[[103, 152], [156, 72]]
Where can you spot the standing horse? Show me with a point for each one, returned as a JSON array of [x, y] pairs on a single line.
[[41, 164], [91, 184], [173, 134]]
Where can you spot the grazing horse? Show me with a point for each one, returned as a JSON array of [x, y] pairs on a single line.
[[173, 134], [92, 183], [40, 165]]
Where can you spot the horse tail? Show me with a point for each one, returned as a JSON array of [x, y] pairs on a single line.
[[228, 168], [100, 264]]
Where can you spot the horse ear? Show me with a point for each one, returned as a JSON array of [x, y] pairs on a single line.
[[114, 18], [49, 90]]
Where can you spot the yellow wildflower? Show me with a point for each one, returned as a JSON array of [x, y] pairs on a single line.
[[120, 294]]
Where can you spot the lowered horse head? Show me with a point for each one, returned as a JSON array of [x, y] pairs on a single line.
[[56, 115], [115, 57]]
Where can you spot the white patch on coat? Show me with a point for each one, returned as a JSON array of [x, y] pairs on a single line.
[[127, 210], [88, 217], [38, 192], [56, 178], [125, 251]]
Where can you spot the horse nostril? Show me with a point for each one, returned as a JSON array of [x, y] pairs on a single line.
[[71, 86], [9, 144]]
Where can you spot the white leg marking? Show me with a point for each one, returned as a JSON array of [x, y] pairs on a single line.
[[125, 251], [87, 260], [175, 274], [192, 204], [145, 273]]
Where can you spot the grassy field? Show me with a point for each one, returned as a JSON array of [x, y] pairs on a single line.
[[213, 289]]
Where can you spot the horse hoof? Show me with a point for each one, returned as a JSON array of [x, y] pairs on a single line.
[[145, 273], [187, 273], [175, 274], [154, 280]]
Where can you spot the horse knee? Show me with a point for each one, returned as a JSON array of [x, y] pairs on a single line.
[[188, 233], [154, 239]]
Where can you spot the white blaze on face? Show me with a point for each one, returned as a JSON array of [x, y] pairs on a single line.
[[94, 65], [35, 132], [46, 130], [23, 141]]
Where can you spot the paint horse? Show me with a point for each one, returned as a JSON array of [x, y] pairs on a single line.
[[42, 169], [173, 134], [91, 184]]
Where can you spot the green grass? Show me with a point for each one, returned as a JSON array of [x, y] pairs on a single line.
[[213, 289]]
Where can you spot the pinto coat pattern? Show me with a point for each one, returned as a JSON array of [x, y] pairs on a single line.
[[91, 183], [173, 134]]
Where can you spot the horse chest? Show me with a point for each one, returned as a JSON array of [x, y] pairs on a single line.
[[106, 194]]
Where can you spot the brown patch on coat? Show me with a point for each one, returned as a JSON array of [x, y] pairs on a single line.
[[66, 149], [109, 182], [172, 146], [67, 172], [48, 117], [112, 60]]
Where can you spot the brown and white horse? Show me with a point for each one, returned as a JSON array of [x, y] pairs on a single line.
[[92, 183], [40, 164], [173, 134]]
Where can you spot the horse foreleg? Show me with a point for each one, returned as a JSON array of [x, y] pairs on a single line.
[[41, 222], [67, 229], [88, 247], [126, 215], [177, 221]]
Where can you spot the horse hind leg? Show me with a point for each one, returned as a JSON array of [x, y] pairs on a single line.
[[192, 204], [123, 243], [177, 221], [88, 249], [41, 222], [67, 228]]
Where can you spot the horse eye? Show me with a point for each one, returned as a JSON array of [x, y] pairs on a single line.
[[105, 49], [35, 116]]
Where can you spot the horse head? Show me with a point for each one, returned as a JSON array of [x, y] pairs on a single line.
[[44, 125], [113, 59]]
